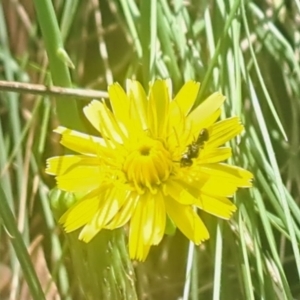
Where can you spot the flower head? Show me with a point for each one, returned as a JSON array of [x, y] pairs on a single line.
[[154, 158]]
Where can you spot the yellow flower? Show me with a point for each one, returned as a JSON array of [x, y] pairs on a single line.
[[154, 158]]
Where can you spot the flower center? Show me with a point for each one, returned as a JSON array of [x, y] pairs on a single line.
[[148, 165]]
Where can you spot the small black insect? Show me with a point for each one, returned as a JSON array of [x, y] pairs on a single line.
[[194, 148]]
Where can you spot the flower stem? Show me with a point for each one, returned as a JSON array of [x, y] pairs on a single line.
[[102, 266]]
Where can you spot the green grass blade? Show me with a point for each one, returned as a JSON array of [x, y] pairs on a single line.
[[23, 257], [67, 110]]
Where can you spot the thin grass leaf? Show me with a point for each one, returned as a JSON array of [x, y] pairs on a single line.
[[20, 248]]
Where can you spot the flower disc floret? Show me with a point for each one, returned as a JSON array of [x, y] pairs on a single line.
[[148, 165]]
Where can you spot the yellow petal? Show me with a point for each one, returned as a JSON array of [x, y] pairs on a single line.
[[138, 104], [207, 185], [125, 213], [179, 108], [213, 155], [148, 220], [158, 108], [120, 103], [195, 128], [80, 142], [76, 173], [155, 219], [206, 109], [220, 207], [178, 191], [223, 131], [92, 113], [136, 235], [104, 121], [184, 101], [60, 165], [79, 214], [227, 173], [89, 231], [137, 250], [224, 188], [110, 200], [187, 220], [186, 96], [207, 122]]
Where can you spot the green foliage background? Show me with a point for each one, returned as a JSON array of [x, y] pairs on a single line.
[[248, 50]]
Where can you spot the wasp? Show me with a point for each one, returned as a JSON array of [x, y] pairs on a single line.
[[194, 148]]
